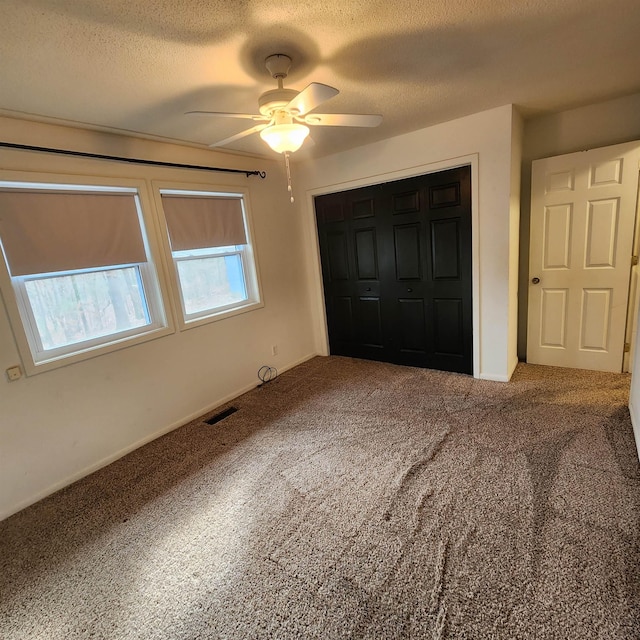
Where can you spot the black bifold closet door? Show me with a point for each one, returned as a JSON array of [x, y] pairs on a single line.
[[396, 267]]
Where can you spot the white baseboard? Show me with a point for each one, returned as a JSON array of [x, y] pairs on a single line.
[[494, 377], [136, 445], [500, 377]]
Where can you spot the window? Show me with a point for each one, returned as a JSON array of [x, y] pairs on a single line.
[[211, 250], [78, 262]]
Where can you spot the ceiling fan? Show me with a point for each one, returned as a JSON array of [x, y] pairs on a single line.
[[285, 113]]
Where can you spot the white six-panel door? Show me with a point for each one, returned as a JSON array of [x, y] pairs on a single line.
[[583, 209]]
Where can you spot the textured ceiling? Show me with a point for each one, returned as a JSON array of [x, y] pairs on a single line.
[[138, 65]]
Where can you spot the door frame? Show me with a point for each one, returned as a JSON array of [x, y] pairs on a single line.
[[633, 305], [318, 300]]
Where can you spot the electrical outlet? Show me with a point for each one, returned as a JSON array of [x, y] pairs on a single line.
[[14, 373], [274, 349]]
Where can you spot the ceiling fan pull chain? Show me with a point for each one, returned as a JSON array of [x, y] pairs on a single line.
[[286, 163]]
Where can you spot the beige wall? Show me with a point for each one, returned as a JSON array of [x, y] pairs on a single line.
[[490, 142], [60, 425]]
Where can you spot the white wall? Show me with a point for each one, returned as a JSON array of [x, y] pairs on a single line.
[[60, 425], [485, 139]]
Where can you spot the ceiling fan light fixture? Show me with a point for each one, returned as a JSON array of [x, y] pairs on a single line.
[[285, 137]]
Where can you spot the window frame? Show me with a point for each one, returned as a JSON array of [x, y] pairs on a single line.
[[248, 253], [35, 359], [40, 355]]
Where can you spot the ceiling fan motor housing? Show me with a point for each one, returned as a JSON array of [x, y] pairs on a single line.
[[270, 101]]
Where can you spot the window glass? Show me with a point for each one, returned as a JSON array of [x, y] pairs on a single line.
[[210, 283], [74, 307]]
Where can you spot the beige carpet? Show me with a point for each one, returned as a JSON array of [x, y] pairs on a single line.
[[351, 499]]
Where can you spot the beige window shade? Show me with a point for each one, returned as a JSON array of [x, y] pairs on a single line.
[[53, 231], [198, 222]]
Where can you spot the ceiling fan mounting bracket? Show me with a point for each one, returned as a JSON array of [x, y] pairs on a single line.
[[278, 65]]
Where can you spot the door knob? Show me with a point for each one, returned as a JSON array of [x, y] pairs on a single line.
[[535, 280], [409, 290], [368, 288]]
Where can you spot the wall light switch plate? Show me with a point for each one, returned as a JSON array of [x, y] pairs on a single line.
[[14, 373]]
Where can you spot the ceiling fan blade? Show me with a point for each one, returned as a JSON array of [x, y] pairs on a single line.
[[343, 119], [238, 136], [310, 97], [223, 114]]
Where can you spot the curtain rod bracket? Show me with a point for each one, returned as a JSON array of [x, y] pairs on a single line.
[[154, 163]]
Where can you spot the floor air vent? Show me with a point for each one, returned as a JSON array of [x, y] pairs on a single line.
[[221, 416]]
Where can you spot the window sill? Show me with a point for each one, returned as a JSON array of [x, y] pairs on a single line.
[[220, 315]]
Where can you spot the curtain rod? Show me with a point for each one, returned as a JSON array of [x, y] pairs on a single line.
[[155, 163]]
